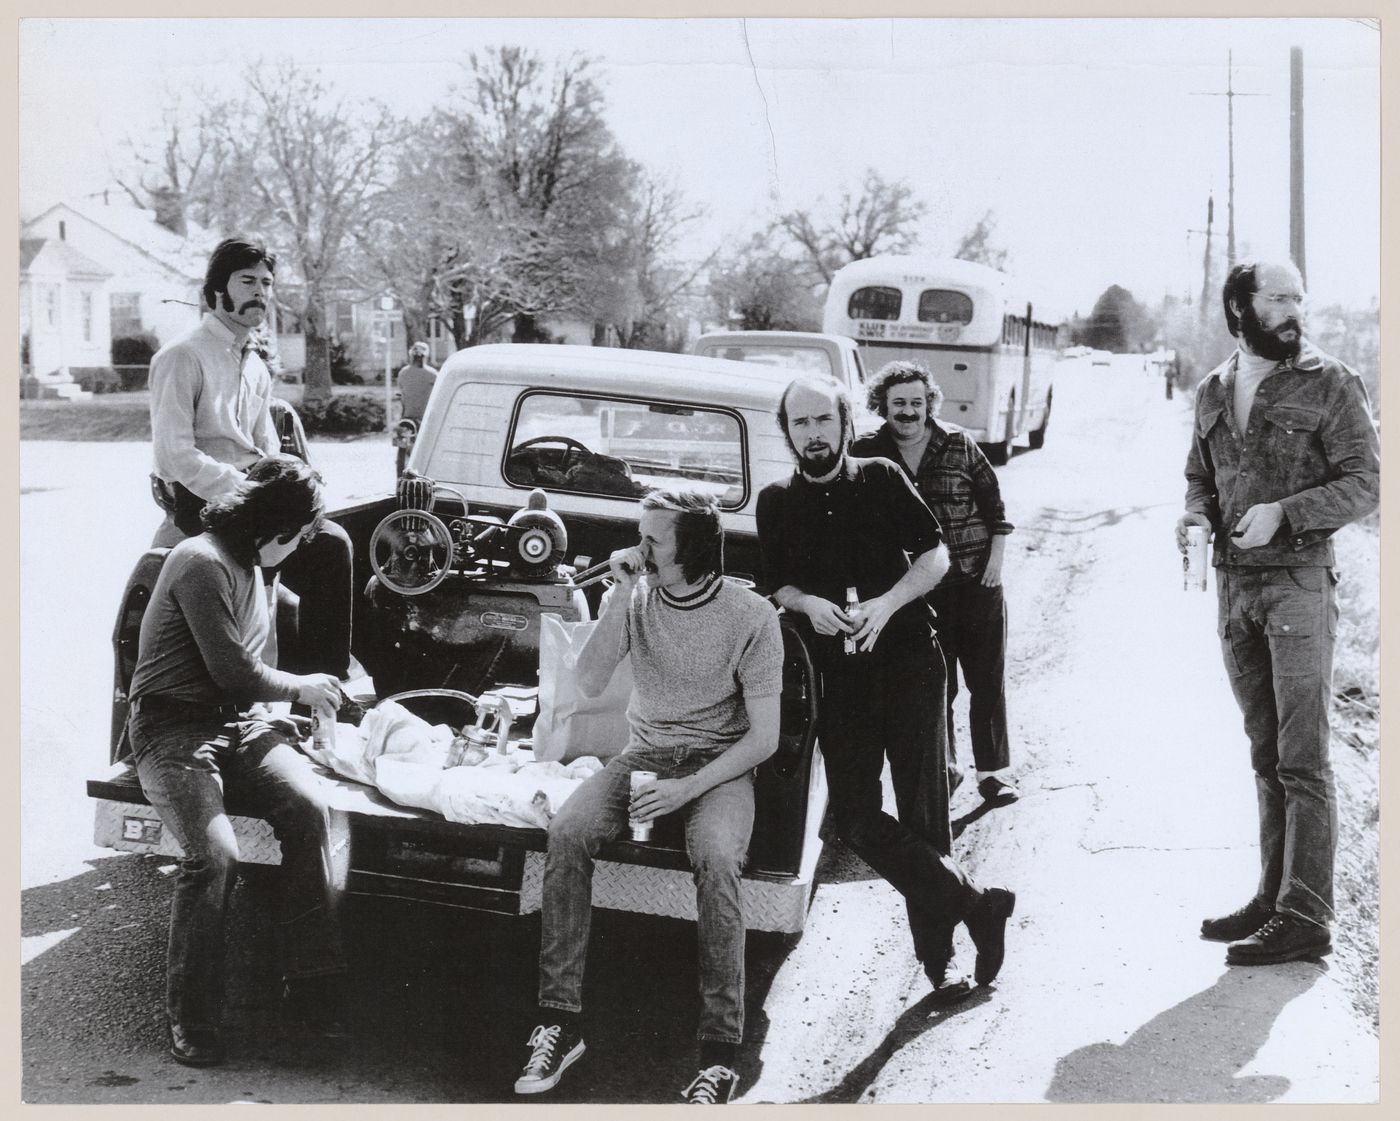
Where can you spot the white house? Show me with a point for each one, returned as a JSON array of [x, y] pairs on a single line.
[[92, 272]]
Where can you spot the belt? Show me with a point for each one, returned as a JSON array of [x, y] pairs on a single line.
[[162, 704]]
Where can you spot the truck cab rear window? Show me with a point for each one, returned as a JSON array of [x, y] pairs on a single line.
[[623, 449]]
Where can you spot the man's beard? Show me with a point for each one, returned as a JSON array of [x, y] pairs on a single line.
[[1264, 341], [822, 463]]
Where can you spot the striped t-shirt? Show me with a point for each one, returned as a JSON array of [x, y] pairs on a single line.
[[695, 661]]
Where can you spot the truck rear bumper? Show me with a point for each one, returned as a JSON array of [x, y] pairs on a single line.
[[379, 849]]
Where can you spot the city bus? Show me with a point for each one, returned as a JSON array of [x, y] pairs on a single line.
[[977, 334]]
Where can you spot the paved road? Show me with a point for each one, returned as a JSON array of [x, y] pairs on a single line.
[[1136, 820]]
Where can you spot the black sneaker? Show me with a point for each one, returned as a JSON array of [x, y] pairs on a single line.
[[987, 925], [712, 1086], [1238, 924], [1282, 938], [553, 1048]]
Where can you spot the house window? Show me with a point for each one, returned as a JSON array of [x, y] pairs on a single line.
[[51, 304], [85, 314], [126, 314], [344, 319]]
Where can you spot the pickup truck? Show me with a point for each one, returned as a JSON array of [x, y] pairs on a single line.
[[798, 352], [453, 572]]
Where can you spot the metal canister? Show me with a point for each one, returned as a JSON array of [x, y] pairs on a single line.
[[641, 830], [1195, 562], [323, 729]]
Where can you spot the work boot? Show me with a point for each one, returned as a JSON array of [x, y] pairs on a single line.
[[986, 923], [997, 791], [1282, 938], [1238, 924]]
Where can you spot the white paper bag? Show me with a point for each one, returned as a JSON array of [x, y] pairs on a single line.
[[569, 724]]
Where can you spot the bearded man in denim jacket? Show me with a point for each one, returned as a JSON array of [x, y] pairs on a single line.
[[1284, 453]]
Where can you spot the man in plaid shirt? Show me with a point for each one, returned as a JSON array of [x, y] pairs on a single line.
[[954, 478]]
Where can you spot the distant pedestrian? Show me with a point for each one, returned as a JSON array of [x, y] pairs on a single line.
[[1284, 453], [415, 382], [954, 478], [848, 546]]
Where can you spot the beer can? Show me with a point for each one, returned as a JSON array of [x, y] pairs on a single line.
[[641, 830], [1195, 562]]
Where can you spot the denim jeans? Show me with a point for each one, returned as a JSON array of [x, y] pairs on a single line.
[[1277, 629], [972, 633], [184, 763], [717, 829], [889, 702]]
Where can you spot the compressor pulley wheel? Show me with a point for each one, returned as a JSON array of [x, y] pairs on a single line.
[[411, 552]]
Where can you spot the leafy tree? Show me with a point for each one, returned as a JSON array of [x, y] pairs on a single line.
[[879, 218]]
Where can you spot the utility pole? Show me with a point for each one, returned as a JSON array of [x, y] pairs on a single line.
[[1229, 94], [1205, 264], [1297, 241]]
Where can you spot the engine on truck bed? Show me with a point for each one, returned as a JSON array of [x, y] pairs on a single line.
[[455, 600]]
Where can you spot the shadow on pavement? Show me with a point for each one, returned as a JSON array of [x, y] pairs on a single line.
[[442, 1001], [1194, 1051], [912, 1023]]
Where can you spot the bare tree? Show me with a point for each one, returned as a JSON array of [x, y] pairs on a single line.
[[303, 168], [977, 245], [760, 288], [169, 170], [644, 294], [529, 205], [880, 218]]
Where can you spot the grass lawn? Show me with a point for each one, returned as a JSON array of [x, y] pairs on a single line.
[[121, 416]]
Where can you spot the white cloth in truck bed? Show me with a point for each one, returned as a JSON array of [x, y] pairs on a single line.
[[403, 757]]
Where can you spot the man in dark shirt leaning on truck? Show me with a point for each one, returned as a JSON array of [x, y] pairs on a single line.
[[1283, 454], [840, 525], [707, 659]]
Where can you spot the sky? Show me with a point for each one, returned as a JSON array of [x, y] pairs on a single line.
[[1094, 142]]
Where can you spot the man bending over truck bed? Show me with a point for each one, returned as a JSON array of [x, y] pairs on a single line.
[[707, 659]]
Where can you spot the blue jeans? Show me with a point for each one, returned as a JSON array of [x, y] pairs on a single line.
[[717, 829], [1277, 630], [183, 763]]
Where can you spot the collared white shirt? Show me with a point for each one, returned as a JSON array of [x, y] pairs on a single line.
[[210, 410]]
